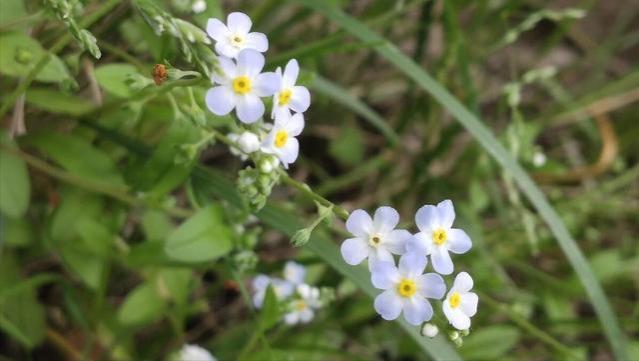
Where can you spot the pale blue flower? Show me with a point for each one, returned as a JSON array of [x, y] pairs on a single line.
[[461, 304], [260, 284]]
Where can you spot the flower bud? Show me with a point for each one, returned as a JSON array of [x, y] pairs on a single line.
[[248, 142], [160, 74], [429, 330]]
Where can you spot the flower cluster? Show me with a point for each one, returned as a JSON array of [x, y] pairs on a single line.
[[241, 85], [299, 300], [406, 288]]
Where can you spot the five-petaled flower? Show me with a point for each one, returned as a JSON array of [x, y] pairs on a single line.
[[406, 288], [436, 237], [234, 37], [260, 284], [281, 140], [241, 85], [290, 96], [461, 304], [301, 309], [375, 239]]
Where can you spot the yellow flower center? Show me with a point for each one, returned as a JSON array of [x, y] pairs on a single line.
[[284, 97], [455, 300], [406, 288], [374, 240], [237, 40], [439, 237], [242, 84], [281, 137], [300, 305]]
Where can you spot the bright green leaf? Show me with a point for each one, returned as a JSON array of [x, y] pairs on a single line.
[[15, 187], [142, 305], [20, 53], [57, 102], [113, 78]]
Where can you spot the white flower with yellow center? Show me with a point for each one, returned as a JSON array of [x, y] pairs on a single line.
[[302, 308], [281, 140], [406, 288], [461, 304], [240, 86], [375, 239], [290, 96], [436, 237], [195, 353], [260, 284], [234, 37]]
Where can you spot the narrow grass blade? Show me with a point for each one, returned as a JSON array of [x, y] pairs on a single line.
[[490, 143]]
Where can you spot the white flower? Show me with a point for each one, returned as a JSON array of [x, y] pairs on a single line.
[[294, 273], [429, 330], [302, 308], [374, 238], [436, 237], [260, 284], [406, 288], [268, 164], [461, 304], [248, 142], [234, 37], [281, 140], [198, 6], [241, 85], [289, 95], [195, 353], [235, 150]]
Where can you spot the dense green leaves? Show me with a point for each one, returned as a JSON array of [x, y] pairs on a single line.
[[142, 305], [57, 102], [113, 78], [204, 237], [20, 53], [15, 186]]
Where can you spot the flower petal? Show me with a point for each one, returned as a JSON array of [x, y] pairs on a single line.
[[306, 315], [446, 213], [419, 242], [379, 254], [239, 23], [384, 275], [388, 304], [431, 285], [266, 84], [359, 223], [249, 108], [417, 310], [260, 282], [289, 153], [294, 272], [217, 30], [292, 318], [395, 241], [456, 317], [441, 261], [223, 47], [469, 303], [463, 282], [412, 264], [427, 218], [354, 251], [220, 100], [257, 41], [291, 71], [385, 219], [300, 99], [227, 73], [458, 241], [295, 125], [250, 62]]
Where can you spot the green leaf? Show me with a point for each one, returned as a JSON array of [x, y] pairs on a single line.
[[203, 237], [16, 232], [86, 265], [15, 187], [76, 206], [57, 102], [178, 283], [156, 225], [142, 305], [490, 343], [490, 143], [20, 53], [270, 311], [11, 10], [78, 156], [113, 78]]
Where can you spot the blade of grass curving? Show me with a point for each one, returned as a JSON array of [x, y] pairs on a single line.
[[342, 96], [490, 143]]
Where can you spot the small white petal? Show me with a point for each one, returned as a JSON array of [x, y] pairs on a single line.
[[441, 261], [412, 264], [300, 99], [431, 285], [385, 219], [456, 317], [379, 254], [266, 84], [217, 30], [257, 41], [354, 250], [446, 213], [359, 223], [291, 71], [427, 218], [295, 125], [290, 152], [294, 272], [291, 318], [419, 242], [306, 315], [220, 100], [463, 282], [223, 47], [249, 108], [388, 304], [239, 23], [429, 330], [417, 310], [250, 62], [384, 275], [469, 303], [227, 71], [248, 142], [282, 288], [458, 241], [395, 241], [195, 353]]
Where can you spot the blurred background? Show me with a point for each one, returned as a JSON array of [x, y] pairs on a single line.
[[99, 168]]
